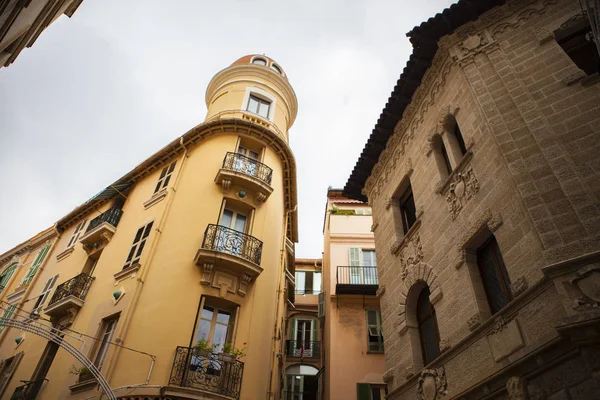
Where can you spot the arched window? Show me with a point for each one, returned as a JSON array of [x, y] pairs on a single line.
[[441, 156], [259, 61], [455, 140], [276, 68], [428, 329], [494, 276], [459, 138]]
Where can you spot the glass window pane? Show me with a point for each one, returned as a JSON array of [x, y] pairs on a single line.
[[223, 317], [226, 218], [219, 336], [263, 110], [300, 281], [203, 330], [316, 282], [253, 105], [207, 313], [240, 223]]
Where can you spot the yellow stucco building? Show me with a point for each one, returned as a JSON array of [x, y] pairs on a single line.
[[190, 246]]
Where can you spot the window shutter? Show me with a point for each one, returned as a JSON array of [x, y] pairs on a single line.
[[363, 391], [6, 275], [36, 264], [45, 293], [354, 256], [8, 373], [8, 314], [314, 323], [321, 309], [293, 329]]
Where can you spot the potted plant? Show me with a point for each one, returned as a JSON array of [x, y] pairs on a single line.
[[231, 353], [203, 348], [83, 373]]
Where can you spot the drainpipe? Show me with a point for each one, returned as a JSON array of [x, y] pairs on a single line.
[[145, 268], [276, 340]]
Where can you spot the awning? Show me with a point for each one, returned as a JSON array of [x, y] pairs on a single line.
[[110, 192]]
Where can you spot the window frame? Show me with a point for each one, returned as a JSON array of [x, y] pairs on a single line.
[[498, 269], [260, 100], [217, 305], [6, 275], [76, 233], [103, 342], [259, 58], [39, 303], [136, 250], [35, 266], [379, 332], [164, 178], [420, 326], [403, 203], [306, 290]]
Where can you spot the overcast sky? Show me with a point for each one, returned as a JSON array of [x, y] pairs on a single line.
[[102, 91]]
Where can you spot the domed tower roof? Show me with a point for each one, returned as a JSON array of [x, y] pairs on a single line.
[[261, 60]]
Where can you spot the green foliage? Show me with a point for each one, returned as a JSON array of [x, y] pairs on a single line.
[[229, 348], [203, 345], [336, 211], [79, 371]]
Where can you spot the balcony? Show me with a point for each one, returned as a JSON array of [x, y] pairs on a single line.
[[68, 295], [356, 280], [29, 391], [232, 251], [302, 349], [247, 174], [204, 372], [100, 230]]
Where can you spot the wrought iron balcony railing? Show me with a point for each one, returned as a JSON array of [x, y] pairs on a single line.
[[206, 371], [249, 166], [226, 240], [356, 280], [307, 291], [29, 391], [77, 287], [303, 348], [112, 216]]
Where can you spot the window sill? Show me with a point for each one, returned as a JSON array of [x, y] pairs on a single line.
[[376, 352], [443, 186], [83, 386], [590, 80], [17, 293], [156, 198], [128, 272], [396, 247], [66, 253]]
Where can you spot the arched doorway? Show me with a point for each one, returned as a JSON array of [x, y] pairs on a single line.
[[301, 383]]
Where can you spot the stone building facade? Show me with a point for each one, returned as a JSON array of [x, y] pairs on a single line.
[[483, 176]]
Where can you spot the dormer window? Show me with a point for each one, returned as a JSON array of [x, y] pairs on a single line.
[[258, 105], [276, 68], [259, 61]]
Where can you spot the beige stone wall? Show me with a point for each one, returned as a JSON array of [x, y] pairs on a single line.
[[531, 177]]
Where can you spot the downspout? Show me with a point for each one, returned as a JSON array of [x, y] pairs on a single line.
[[276, 340], [35, 277], [145, 268]]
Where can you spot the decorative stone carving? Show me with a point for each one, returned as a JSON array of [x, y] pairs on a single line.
[[395, 246], [388, 376], [260, 198], [584, 288], [498, 325], [207, 269], [464, 186], [495, 222], [409, 371], [410, 255], [465, 51], [516, 388], [244, 281], [505, 338], [518, 286], [444, 345], [432, 384], [225, 185], [474, 321]]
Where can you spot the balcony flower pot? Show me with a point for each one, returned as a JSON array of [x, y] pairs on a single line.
[[202, 353], [85, 376], [226, 357]]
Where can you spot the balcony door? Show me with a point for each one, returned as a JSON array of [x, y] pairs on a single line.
[[304, 334], [247, 163], [355, 269], [232, 240]]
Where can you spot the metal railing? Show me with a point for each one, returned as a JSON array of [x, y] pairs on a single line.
[[77, 287], [356, 275], [29, 391], [226, 240], [249, 166], [112, 216], [307, 291], [206, 371], [302, 348]]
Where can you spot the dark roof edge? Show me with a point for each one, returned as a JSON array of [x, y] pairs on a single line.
[[424, 39]]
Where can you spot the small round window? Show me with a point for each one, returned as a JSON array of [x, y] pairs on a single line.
[[259, 61], [276, 68]]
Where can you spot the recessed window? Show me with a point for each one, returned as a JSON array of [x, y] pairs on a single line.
[[259, 106], [576, 39], [276, 68], [493, 275], [303, 336], [408, 209], [259, 61], [459, 139], [76, 234], [135, 253], [37, 308], [428, 328], [165, 177], [367, 391], [104, 340], [216, 323], [6, 275], [441, 156], [374, 331], [308, 282]]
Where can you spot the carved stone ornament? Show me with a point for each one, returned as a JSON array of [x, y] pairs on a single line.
[[409, 371], [207, 269], [432, 384], [465, 51], [244, 281], [444, 345], [518, 286], [388, 376], [410, 255], [584, 288], [464, 186], [516, 388], [499, 325], [474, 321]]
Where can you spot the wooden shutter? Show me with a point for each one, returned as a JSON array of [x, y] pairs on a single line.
[[6, 275], [314, 326], [321, 309], [8, 314], [293, 328], [36, 264], [363, 391], [9, 370], [44, 295], [354, 256]]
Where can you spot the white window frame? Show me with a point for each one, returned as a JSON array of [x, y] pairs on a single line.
[[258, 92], [137, 248], [104, 340], [374, 330], [37, 308], [76, 233]]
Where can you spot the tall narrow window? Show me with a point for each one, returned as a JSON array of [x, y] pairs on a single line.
[[75, 236], [408, 209], [6, 275], [374, 331], [369, 267], [441, 156], [216, 323], [107, 331], [39, 303], [573, 36], [165, 177], [494, 276], [8, 313], [428, 329], [36, 264], [259, 106], [308, 282], [459, 139], [304, 337], [367, 391], [138, 245], [7, 369]]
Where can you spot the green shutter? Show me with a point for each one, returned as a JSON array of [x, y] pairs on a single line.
[[314, 329], [354, 256], [8, 314], [363, 391], [293, 329], [36, 264], [5, 277]]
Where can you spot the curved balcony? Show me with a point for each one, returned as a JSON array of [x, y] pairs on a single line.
[[247, 174], [231, 251], [100, 230], [68, 295]]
